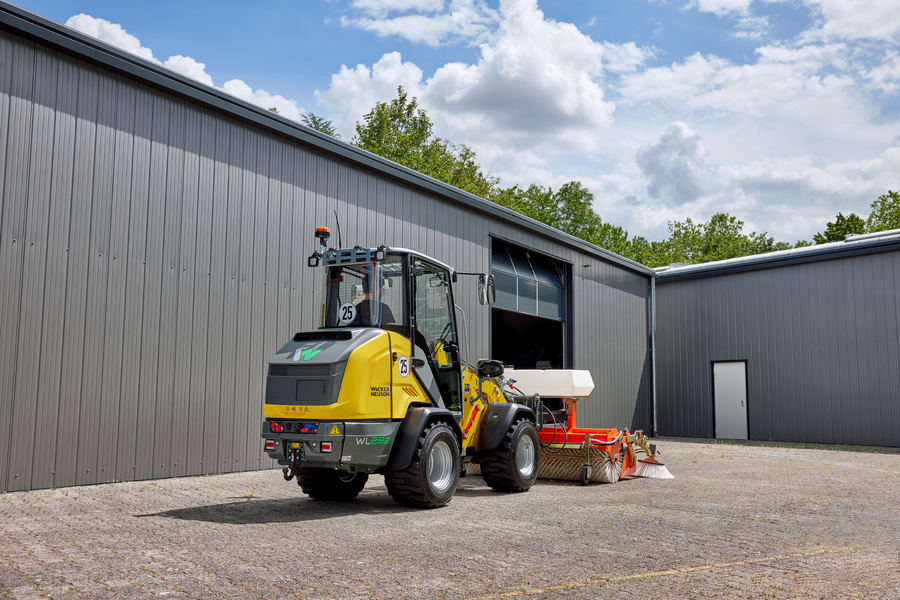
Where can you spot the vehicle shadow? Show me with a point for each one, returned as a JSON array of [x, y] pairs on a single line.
[[248, 510], [252, 511]]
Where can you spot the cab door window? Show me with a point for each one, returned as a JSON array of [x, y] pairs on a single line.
[[436, 328]]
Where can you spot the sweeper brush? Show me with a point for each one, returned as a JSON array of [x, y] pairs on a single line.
[[571, 453]]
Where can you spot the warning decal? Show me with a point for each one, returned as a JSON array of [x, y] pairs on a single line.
[[334, 430]]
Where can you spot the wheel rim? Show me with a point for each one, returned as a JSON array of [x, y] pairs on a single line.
[[440, 466], [525, 456]]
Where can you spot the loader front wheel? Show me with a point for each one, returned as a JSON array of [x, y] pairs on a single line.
[[513, 465], [328, 484], [433, 476]]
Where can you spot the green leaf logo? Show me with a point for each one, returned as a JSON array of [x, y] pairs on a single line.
[[308, 354]]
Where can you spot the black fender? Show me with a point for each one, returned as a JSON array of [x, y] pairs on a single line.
[[499, 418], [411, 428]]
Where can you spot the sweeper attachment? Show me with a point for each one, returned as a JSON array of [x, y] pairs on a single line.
[[571, 453]]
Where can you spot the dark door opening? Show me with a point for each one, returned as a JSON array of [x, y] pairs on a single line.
[[526, 341]]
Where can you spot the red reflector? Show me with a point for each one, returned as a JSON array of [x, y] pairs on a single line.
[[270, 444], [326, 446]]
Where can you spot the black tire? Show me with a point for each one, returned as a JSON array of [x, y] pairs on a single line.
[[433, 476], [513, 465], [328, 484]]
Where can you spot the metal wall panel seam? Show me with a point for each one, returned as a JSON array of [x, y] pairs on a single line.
[[188, 276], [153, 281], [133, 324], [97, 280], [37, 200], [250, 198], [50, 372], [202, 302], [170, 267], [12, 227], [69, 447], [240, 153], [117, 251], [267, 163]]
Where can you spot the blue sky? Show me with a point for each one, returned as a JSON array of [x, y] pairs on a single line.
[[781, 112]]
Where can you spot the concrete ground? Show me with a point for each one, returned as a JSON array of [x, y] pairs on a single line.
[[736, 522]]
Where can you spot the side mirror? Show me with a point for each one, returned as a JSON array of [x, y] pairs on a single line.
[[486, 293]]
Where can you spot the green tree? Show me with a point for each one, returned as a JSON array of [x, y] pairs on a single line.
[[397, 130], [837, 230], [650, 254], [402, 132], [320, 124], [885, 213], [720, 238]]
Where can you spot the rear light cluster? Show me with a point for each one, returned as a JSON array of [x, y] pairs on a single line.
[[270, 445], [326, 447]]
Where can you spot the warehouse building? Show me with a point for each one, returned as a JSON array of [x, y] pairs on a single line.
[[797, 346], [153, 244]]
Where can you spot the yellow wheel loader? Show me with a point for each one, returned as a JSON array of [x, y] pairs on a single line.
[[380, 387]]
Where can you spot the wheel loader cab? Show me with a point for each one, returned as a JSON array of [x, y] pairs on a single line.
[[409, 295]]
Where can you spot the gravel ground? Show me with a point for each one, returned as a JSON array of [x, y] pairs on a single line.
[[738, 521]]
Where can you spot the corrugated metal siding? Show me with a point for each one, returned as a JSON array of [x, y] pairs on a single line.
[[822, 341], [153, 256]]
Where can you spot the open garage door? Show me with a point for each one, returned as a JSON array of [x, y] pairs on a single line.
[[528, 321]]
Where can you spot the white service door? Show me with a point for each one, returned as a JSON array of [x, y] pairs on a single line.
[[730, 390]]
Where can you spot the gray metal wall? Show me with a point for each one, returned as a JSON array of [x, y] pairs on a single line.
[[821, 343], [152, 258]]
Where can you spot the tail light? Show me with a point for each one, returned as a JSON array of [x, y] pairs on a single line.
[[270, 445], [326, 447]]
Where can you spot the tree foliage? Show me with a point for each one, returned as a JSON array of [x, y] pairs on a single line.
[[402, 132], [320, 124], [885, 213], [837, 230]]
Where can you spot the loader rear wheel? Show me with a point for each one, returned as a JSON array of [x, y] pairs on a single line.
[[328, 484], [513, 465], [433, 476]]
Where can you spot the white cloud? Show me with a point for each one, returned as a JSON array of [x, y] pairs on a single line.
[[720, 7], [381, 8], [353, 92], [886, 76], [189, 67], [855, 19], [466, 20], [782, 80], [537, 83], [115, 35], [286, 108], [111, 33], [674, 165], [752, 28]]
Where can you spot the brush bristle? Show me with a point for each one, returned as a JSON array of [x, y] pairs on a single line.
[[652, 470]]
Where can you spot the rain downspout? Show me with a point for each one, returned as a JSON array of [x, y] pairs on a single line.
[[655, 433]]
